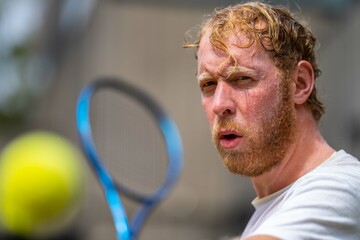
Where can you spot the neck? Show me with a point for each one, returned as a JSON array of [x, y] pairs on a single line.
[[307, 151]]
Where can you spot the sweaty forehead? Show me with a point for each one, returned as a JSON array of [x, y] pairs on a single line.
[[236, 38], [208, 55]]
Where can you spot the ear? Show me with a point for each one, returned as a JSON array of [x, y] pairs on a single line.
[[304, 80]]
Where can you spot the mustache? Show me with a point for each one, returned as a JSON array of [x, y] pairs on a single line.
[[228, 124]]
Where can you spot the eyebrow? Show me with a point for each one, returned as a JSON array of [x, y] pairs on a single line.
[[238, 69], [204, 75], [231, 70]]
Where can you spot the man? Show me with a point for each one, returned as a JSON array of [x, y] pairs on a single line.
[[257, 71]]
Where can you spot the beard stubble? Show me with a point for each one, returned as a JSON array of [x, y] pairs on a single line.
[[267, 142]]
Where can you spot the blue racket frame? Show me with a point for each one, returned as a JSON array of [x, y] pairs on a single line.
[[172, 138]]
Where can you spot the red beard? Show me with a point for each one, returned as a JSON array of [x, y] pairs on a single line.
[[262, 146]]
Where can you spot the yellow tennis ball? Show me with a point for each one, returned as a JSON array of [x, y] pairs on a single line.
[[41, 184]]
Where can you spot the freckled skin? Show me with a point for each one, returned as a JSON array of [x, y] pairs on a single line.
[[256, 99], [253, 107]]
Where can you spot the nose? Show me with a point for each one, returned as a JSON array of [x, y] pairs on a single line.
[[223, 102]]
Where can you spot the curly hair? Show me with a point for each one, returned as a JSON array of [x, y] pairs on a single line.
[[274, 27]]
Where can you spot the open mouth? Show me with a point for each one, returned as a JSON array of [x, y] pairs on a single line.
[[229, 140], [229, 136]]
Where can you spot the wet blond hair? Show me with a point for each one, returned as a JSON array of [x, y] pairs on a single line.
[[274, 27]]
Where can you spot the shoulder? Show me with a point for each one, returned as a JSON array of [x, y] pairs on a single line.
[[321, 203], [341, 170], [334, 184]]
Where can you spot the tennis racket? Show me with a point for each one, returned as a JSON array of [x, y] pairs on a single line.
[[133, 146]]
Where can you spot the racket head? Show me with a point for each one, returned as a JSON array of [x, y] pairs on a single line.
[[154, 122], [113, 200]]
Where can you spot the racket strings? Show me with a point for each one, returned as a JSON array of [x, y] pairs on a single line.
[[129, 141]]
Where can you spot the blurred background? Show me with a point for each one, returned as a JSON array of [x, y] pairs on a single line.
[[49, 49]]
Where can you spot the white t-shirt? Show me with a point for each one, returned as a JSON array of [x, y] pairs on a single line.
[[323, 204]]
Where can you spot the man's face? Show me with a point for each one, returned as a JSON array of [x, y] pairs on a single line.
[[249, 107]]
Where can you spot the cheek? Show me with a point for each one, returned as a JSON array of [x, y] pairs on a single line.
[[262, 105], [207, 106]]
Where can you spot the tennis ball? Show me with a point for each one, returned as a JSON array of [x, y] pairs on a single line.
[[41, 184]]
